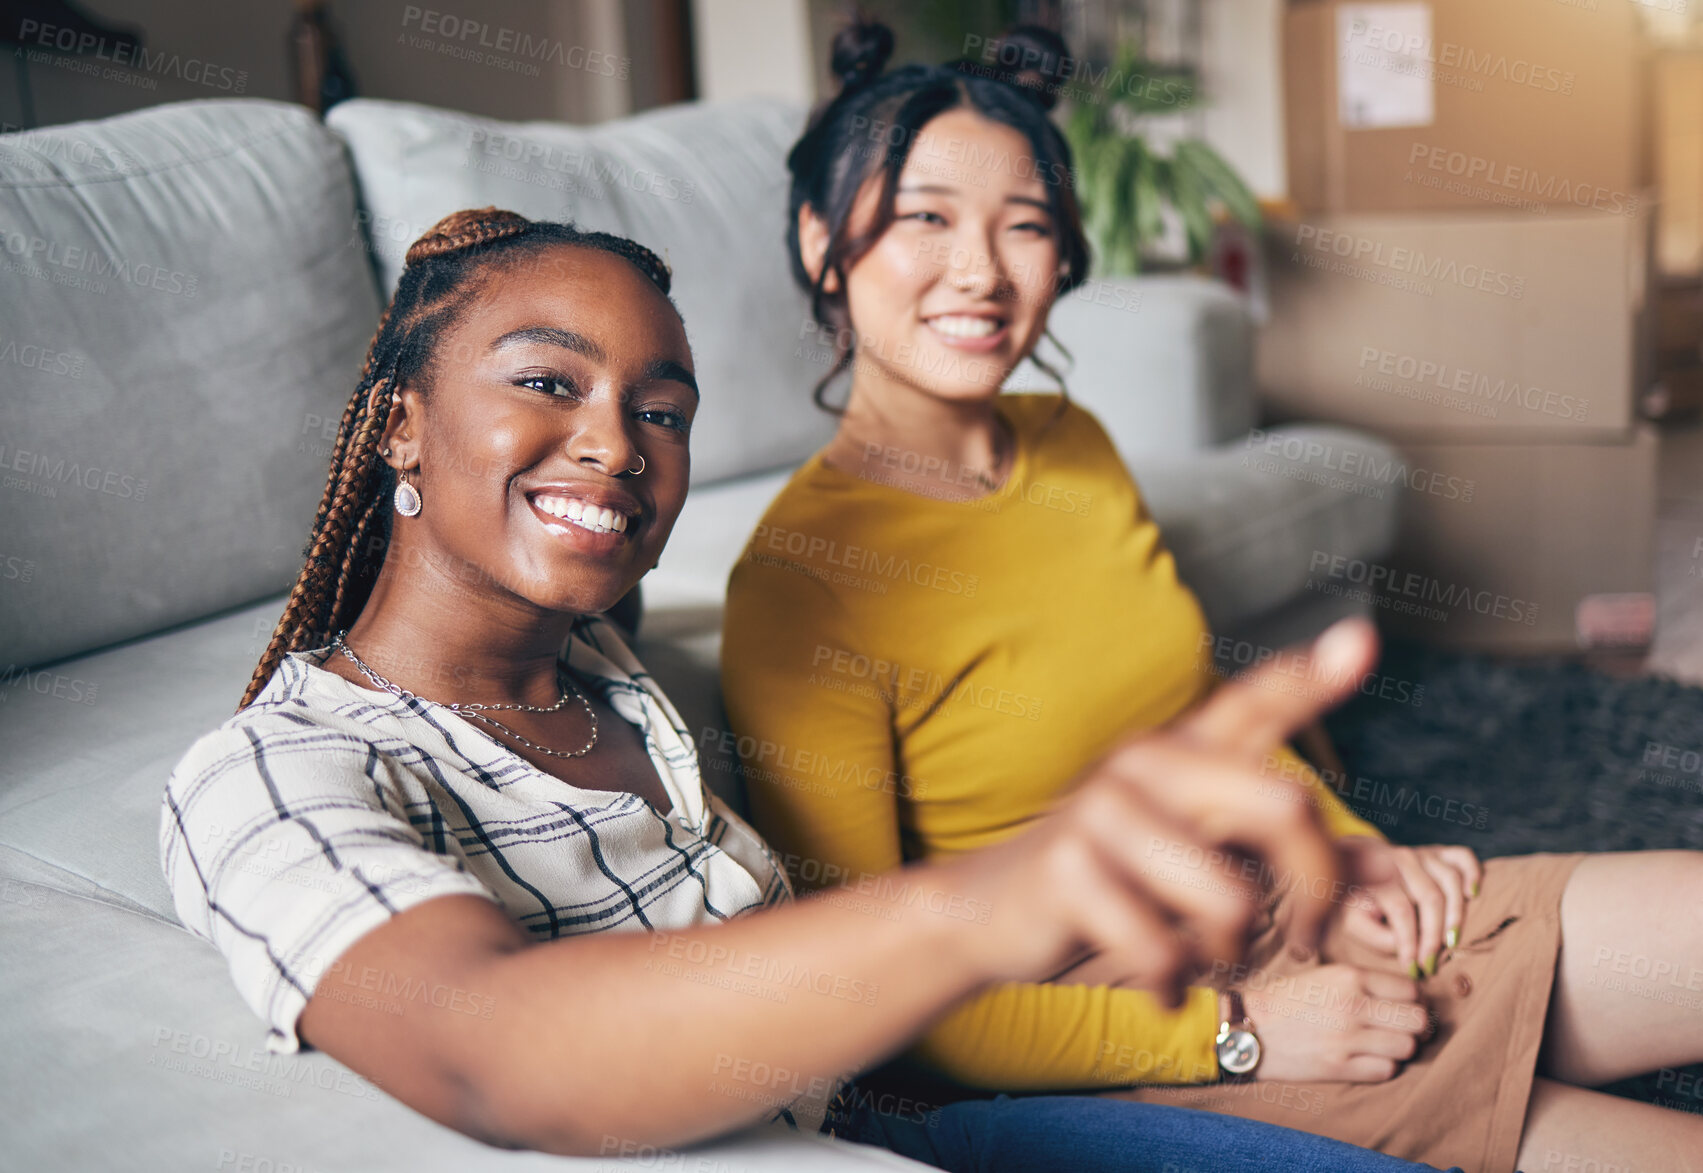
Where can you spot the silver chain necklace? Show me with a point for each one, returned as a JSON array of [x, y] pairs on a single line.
[[477, 712]]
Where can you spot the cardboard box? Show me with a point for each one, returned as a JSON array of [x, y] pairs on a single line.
[[1533, 547], [1679, 325], [1676, 135], [1459, 104], [1485, 326]]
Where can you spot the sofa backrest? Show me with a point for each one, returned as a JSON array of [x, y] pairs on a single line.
[[187, 301], [702, 185]]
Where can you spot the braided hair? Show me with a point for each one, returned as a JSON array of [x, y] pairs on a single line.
[[867, 130], [442, 272]]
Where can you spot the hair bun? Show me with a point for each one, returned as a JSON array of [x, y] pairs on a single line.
[[861, 52], [1032, 58], [467, 228]]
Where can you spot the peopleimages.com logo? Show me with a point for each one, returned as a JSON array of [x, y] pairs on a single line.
[[1387, 586], [1316, 247], [65, 471], [486, 44], [1472, 385], [1515, 70], [129, 55], [1500, 177], [83, 266]]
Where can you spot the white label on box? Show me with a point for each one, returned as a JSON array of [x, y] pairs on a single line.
[[1384, 66]]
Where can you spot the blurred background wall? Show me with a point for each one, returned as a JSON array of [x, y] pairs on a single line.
[[1471, 227]]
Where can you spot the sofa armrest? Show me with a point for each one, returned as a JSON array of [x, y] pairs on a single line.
[[1165, 363], [1248, 522]]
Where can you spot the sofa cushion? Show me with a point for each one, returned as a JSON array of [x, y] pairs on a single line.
[[144, 1057], [704, 186], [680, 638], [183, 313], [1247, 520], [91, 741], [1164, 362]]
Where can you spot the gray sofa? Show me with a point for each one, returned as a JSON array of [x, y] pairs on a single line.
[[187, 293]]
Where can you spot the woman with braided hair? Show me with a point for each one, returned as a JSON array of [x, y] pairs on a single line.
[[351, 526], [456, 837]]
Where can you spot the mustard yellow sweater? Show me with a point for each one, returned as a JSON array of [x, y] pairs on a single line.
[[912, 677]]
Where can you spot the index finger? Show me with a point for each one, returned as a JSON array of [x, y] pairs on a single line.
[[1465, 861], [1265, 707], [1226, 802]]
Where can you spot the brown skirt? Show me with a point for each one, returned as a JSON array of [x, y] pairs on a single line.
[[1462, 1099]]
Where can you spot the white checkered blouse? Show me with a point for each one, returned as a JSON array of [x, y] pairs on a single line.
[[323, 809]]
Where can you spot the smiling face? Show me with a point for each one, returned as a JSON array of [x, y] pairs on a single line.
[[566, 371], [955, 293]]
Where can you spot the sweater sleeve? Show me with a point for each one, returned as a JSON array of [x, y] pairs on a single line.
[[1027, 1037]]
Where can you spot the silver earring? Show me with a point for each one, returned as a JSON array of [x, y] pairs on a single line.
[[633, 472], [407, 496]]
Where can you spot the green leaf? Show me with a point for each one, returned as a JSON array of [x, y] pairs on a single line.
[[1145, 87], [1219, 179], [1189, 194], [1124, 185], [1113, 202], [1104, 194], [1081, 129], [1150, 180]]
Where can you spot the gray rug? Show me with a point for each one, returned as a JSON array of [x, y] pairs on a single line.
[[1511, 757]]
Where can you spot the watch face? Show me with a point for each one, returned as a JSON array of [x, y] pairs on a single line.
[[1238, 1051]]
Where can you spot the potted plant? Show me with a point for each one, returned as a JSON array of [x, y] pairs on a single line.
[[1125, 181]]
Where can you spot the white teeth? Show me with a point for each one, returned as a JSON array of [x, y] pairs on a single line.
[[583, 514], [964, 326]]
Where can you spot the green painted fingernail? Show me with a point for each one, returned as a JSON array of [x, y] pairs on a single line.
[[1413, 970], [1430, 966], [1452, 938], [1475, 888]]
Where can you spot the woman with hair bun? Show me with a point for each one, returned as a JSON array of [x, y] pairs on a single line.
[[457, 837], [962, 599]]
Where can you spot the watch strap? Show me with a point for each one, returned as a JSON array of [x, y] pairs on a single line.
[[1233, 1016]]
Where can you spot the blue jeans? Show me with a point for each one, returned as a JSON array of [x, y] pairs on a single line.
[[1085, 1134]]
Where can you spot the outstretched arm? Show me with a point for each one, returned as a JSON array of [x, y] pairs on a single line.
[[594, 1041]]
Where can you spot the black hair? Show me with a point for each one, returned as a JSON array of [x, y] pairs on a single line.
[[868, 128]]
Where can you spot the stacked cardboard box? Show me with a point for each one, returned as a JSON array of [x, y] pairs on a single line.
[[1469, 274], [1396, 106], [1676, 139]]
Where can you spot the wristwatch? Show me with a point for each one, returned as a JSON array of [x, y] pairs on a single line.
[[1237, 1045]]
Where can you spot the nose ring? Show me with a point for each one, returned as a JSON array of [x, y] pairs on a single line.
[[633, 472]]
